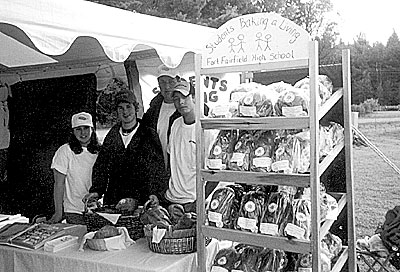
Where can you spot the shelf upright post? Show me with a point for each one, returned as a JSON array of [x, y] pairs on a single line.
[[201, 263], [348, 136], [314, 162]]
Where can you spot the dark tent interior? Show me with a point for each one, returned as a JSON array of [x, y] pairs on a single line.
[[40, 112]]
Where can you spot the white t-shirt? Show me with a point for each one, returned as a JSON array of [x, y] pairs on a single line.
[[126, 139], [182, 150], [162, 126], [78, 171]]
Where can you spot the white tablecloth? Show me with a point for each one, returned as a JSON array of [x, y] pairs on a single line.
[[136, 258]]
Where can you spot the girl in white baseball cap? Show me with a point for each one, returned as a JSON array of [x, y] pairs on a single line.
[[72, 167]]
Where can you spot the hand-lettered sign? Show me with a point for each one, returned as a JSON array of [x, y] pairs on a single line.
[[256, 38]]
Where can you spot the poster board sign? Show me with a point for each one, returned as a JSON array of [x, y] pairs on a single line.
[[216, 88], [254, 39]]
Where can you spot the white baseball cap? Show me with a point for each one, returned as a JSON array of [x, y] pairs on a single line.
[[183, 87], [164, 70], [81, 119]]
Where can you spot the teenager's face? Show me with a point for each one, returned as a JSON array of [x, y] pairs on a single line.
[[83, 134], [167, 84], [183, 104], [126, 112]]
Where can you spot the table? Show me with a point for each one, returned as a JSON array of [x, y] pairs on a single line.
[[136, 258]]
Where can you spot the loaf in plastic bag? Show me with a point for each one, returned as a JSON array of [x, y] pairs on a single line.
[[250, 211], [221, 150], [293, 102], [240, 159]]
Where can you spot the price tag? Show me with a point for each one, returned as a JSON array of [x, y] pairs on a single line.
[[269, 228], [247, 223], [295, 111], [247, 111], [295, 231]]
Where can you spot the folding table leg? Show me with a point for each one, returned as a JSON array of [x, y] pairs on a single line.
[[367, 262], [375, 261]]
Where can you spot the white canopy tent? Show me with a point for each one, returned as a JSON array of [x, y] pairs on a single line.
[[47, 38], [41, 39]]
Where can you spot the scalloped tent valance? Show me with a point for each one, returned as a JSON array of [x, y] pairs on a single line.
[[59, 31]]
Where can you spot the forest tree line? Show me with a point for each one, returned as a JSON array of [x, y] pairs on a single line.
[[375, 68]]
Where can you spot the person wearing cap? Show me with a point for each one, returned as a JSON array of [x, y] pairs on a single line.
[[72, 167], [162, 111], [182, 150], [130, 164]]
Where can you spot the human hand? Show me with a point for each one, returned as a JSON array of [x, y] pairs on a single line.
[[90, 201], [127, 204], [56, 218], [90, 197]]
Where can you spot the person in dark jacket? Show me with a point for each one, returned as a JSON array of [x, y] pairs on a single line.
[[162, 107], [130, 164]]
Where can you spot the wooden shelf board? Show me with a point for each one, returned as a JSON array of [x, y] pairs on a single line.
[[330, 103], [330, 157], [299, 180], [328, 223], [265, 123], [341, 260], [283, 243]]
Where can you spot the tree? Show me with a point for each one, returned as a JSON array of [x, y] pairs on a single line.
[[329, 51], [393, 50], [310, 14]]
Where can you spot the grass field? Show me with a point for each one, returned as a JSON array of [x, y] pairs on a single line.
[[376, 183]]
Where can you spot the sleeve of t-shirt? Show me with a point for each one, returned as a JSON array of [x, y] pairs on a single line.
[[60, 160]]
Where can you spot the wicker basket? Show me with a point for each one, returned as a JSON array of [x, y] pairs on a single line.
[[100, 244], [132, 223], [174, 242]]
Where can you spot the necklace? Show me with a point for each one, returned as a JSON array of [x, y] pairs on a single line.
[[126, 132]]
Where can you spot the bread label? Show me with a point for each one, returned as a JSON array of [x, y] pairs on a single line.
[[294, 111], [262, 162], [269, 228]]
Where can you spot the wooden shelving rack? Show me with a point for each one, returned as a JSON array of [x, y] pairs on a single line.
[[308, 53]]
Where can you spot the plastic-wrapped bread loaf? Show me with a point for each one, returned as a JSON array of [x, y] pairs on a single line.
[[240, 159], [262, 151], [259, 102], [221, 150], [293, 102], [325, 87]]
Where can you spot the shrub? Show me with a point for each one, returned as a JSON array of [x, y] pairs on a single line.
[[368, 106]]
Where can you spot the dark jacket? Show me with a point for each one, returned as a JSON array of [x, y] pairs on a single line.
[[150, 117], [136, 171]]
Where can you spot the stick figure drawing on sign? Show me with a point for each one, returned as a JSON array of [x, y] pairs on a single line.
[[261, 41], [267, 39], [241, 42], [231, 41]]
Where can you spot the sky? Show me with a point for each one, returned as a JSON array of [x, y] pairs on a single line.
[[376, 19]]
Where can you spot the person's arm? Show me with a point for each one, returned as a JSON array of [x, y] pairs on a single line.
[[58, 195], [101, 168], [158, 176]]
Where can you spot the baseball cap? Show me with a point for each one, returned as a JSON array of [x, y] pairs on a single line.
[[81, 119], [164, 70], [183, 87]]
